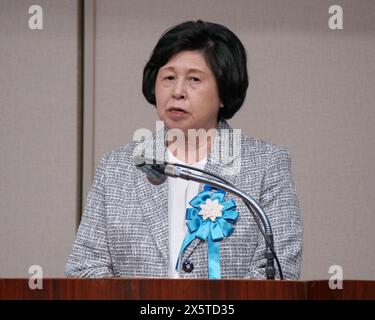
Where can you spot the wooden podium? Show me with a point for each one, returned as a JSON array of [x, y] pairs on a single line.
[[168, 289]]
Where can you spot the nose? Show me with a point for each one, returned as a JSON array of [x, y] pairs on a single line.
[[179, 90]]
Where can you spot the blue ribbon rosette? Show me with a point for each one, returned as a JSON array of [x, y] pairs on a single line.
[[211, 218]]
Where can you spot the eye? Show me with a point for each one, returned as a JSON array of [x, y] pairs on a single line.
[[195, 79], [169, 78]]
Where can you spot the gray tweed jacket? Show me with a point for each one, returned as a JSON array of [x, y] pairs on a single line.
[[124, 227]]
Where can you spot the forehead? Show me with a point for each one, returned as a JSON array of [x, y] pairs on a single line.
[[187, 61]]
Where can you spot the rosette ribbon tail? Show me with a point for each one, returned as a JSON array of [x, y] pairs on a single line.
[[213, 259], [214, 228]]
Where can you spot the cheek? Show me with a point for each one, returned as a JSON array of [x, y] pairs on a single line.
[[161, 95], [207, 98], [160, 102]]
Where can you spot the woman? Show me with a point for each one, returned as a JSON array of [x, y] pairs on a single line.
[[196, 77]]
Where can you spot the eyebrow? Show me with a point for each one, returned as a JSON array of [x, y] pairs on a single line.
[[189, 70]]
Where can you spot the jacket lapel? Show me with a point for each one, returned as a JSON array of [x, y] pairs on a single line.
[[154, 198]]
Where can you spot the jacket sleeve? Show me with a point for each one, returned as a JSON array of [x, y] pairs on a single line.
[[90, 255], [279, 201]]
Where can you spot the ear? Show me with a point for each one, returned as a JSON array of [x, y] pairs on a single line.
[[221, 105]]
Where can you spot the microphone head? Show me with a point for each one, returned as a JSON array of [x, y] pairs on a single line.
[[157, 180], [153, 176]]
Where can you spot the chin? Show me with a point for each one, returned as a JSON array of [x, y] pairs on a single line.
[[170, 124]]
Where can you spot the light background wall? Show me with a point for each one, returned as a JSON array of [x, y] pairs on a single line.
[[39, 136], [311, 89]]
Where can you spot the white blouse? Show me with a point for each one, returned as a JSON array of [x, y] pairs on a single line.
[[180, 193]]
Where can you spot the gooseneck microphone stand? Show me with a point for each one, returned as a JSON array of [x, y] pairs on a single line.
[[183, 172]]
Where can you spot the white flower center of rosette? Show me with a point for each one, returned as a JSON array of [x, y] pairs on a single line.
[[211, 209]]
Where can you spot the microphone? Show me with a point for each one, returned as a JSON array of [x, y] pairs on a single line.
[[154, 177]]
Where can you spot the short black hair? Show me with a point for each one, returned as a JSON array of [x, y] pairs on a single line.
[[223, 51]]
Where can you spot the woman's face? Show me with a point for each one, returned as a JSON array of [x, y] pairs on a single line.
[[186, 93]]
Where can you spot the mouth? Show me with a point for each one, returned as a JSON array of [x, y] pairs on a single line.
[[176, 113], [177, 110]]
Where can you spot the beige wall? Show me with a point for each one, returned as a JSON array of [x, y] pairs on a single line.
[[38, 136], [312, 89]]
